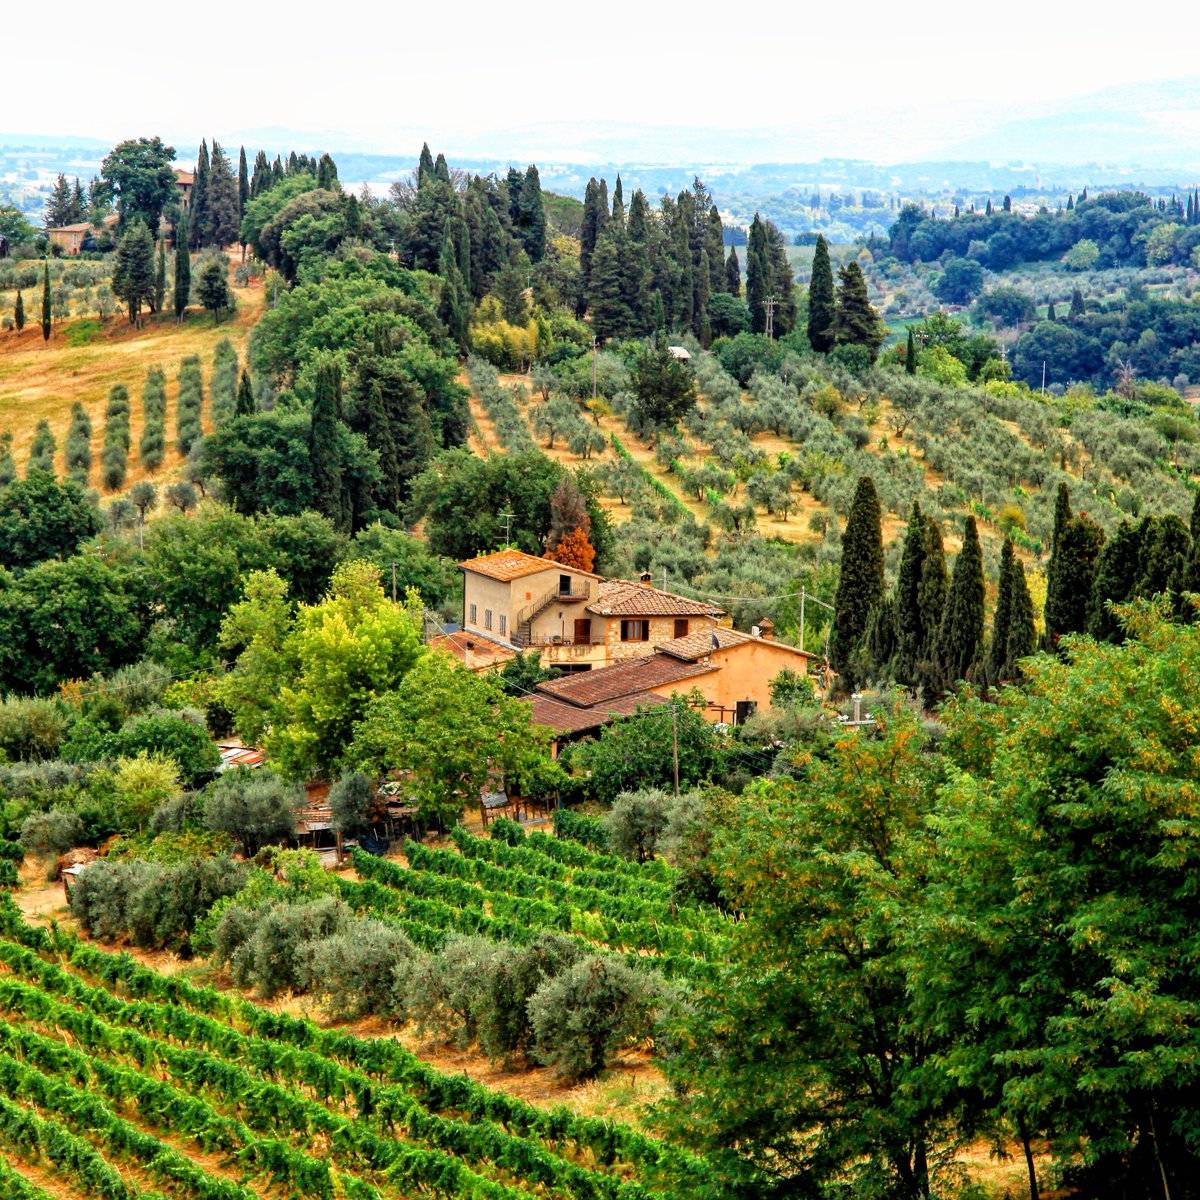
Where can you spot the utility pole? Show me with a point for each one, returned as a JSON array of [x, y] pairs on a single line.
[[769, 304], [1043, 377], [675, 748], [507, 518]]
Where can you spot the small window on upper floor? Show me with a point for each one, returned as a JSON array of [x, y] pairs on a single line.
[[487, 618], [635, 631], [503, 625], [472, 618], [681, 627]]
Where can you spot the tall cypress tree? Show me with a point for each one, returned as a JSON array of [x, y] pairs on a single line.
[[160, 279], [714, 243], [931, 600], [1117, 568], [733, 273], [860, 581], [1077, 306], [47, 310], [380, 439], [424, 167], [19, 312], [324, 459], [1164, 560], [1191, 576], [758, 276], [245, 395], [618, 201], [1070, 578], [608, 306], [1022, 636], [910, 354], [700, 293], [822, 306], [221, 211], [531, 216], [961, 636], [589, 233], [183, 268], [1002, 618], [243, 183], [910, 636], [198, 209]]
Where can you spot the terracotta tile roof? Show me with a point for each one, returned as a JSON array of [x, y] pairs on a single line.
[[182, 176], [568, 718], [509, 564], [472, 650], [699, 645], [82, 227], [606, 685], [620, 598]]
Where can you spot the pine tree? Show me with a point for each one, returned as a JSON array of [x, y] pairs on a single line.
[[160, 279], [960, 638], [183, 268], [910, 354], [857, 323], [860, 581], [198, 209], [323, 445], [58, 207], [1002, 618], [733, 273], [910, 636], [822, 306], [47, 311], [221, 213], [243, 183], [19, 312], [79, 204], [245, 396]]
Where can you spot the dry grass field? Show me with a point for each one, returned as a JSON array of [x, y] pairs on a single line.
[[40, 379]]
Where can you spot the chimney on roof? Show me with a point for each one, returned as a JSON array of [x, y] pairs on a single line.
[[766, 629], [646, 579]]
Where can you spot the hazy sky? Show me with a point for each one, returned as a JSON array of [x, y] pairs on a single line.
[[380, 73]]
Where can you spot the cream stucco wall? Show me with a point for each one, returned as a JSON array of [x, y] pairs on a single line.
[[746, 671]]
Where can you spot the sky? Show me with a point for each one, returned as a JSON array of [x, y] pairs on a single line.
[[865, 77]]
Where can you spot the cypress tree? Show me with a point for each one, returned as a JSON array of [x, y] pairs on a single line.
[[860, 581], [733, 273], [243, 183], [910, 354], [277, 171], [1051, 315], [133, 270], [1071, 202], [857, 323], [160, 279], [910, 635], [988, 210], [245, 396], [1002, 618], [961, 636], [781, 284], [531, 215], [700, 296], [47, 311], [1022, 636], [931, 601], [19, 312], [1070, 578], [1062, 516], [882, 638], [183, 268], [618, 201], [221, 211], [714, 243], [198, 210], [379, 437], [324, 459], [1008, 204], [1164, 560], [608, 307], [758, 277], [424, 166], [327, 176], [1077, 305], [1117, 568], [822, 308]]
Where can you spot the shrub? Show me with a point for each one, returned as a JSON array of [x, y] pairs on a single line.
[[143, 784], [635, 823], [591, 831], [352, 804], [53, 832], [255, 808], [174, 737], [507, 831], [275, 956], [31, 729], [580, 1016], [357, 972], [445, 992]]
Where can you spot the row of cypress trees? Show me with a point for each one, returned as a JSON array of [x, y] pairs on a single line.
[[841, 316], [928, 632]]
